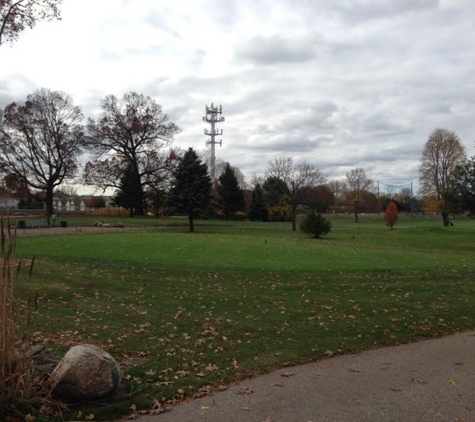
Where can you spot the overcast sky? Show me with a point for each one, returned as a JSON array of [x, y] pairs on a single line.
[[338, 83]]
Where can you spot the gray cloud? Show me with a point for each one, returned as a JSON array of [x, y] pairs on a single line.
[[273, 50], [339, 84]]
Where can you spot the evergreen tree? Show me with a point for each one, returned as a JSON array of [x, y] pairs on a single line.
[[190, 192], [230, 195], [259, 209], [130, 193]]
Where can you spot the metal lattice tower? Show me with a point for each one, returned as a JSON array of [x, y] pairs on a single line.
[[212, 118]]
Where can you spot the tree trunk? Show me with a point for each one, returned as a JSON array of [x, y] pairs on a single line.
[[445, 219], [139, 210], [294, 218], [139, 205], [49, 211]]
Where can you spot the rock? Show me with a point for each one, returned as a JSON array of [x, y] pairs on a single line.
[[86, 372]]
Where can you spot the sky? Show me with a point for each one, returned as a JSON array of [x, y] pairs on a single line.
[[339, 84]]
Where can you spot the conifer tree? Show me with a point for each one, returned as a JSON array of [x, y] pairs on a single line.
[[190, 192], [130, 193], [259, 209], [230, 195]]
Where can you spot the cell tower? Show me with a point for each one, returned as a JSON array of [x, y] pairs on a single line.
[[212, 118]]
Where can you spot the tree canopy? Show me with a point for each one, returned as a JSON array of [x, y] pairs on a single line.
[[460, 191], [16, 15], [357, 187], [41, 141], [443, 151], [129, 137]]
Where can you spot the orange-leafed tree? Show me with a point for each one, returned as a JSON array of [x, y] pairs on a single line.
[[391, 215]]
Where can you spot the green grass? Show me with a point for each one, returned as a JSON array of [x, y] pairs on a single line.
[[184, 311]]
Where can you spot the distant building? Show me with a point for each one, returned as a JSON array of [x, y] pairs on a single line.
[[75, 203], [8, 203]]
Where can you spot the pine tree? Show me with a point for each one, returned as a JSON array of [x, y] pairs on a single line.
[[130, 193], [230, 195], [190, 192], [259, 209]]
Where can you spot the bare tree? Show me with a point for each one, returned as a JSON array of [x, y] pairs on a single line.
[[443, 151], [298, 180], [338, 188], [358, 186], [41, 141], [129, 136], [16, 15]]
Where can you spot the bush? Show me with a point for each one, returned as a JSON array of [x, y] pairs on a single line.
[[315, 224]]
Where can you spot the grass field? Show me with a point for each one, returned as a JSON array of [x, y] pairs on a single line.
[[185, 313]]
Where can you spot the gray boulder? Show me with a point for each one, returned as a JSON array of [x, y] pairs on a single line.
[[86, 372]]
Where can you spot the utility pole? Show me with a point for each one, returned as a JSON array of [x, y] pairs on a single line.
[[212, 118]]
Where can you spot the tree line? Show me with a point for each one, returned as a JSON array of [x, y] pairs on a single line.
[[44, 138]]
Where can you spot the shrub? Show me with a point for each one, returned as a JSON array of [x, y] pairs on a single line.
[[315, 224]]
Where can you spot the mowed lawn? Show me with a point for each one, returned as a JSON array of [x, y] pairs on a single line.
[[185, 313]]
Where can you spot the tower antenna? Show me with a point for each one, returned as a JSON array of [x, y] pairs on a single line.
[[212, 118]]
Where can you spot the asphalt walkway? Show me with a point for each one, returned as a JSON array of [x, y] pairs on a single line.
[[431, 380]]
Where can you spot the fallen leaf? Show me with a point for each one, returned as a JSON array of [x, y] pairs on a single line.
[[395, 389], [245, 390], [276, 384], [452, 382], [417, 381], [288, 374], [157, 408]]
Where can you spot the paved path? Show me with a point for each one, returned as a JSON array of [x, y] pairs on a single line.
[[431, 380]]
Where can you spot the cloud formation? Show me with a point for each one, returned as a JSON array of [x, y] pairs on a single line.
[[339, 84]]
